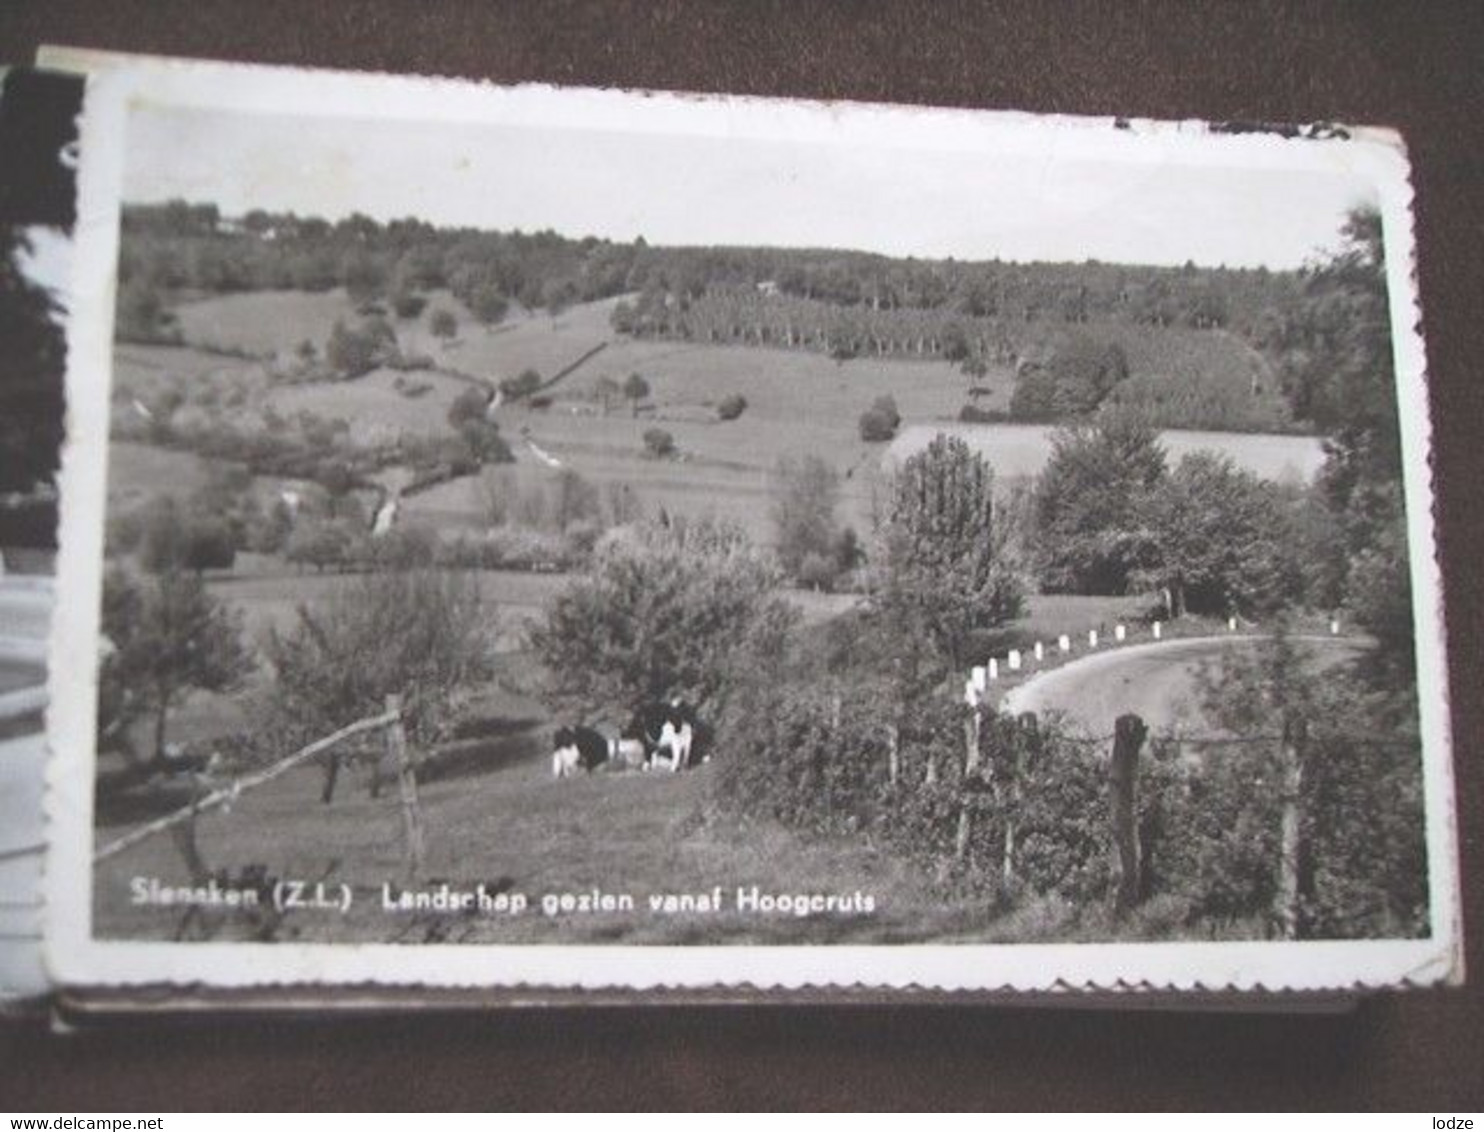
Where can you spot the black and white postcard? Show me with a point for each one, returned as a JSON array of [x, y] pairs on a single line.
[[581, 539]]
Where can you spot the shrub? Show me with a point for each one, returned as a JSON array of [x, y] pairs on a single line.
[[363, 276], [806, 496], [975, 414], [320, 543], [174, 538], [443, 324], [351, 353], [487, 303], [141, 315], [659, 443], [879, 423], [527, 383], [469, 405], [732, 407], [816, 572], [402, 548], [405, 362], [511, 548], [1080, 373], [484, 443], [408, 304]]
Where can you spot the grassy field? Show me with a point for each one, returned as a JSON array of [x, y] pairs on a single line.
[[493, 814], [268, 599], [798, 403], [520, 830], [1021, 450], [264, 322], [374, 407], [138, 472]]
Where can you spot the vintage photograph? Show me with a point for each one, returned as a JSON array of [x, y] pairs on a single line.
[[539, 517]]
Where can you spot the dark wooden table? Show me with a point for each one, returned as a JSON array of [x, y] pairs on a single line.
[[1414, 67]]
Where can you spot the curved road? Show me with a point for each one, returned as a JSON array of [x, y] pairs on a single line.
[[1155, 680]]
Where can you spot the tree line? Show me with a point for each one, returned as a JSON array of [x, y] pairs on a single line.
[[179, 246]]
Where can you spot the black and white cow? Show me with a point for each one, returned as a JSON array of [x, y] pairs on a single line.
[[577, 748], [667, 732]]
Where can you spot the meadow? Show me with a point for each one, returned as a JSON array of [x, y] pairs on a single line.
[[798, 403], [517, 829]]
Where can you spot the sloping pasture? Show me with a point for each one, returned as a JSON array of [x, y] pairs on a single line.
[[264, 322], [518, 829], [373, 405]]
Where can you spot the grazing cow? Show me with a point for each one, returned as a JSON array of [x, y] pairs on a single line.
[[667, 731], [577, 747], [677, 736], [648, 727]]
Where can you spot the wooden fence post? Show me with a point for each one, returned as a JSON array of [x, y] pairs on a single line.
[[1129, 733], [184, 836], [973, 730], [412, 818], [1292, 850], [332, 772], [1023, 741]]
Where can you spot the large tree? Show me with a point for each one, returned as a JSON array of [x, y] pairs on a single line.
[[423, 635], [1072, 381], [635, 388], [175, 536], [1335, 358], [169, 636], [665, 609], [1218, 540], [1089, 531], [946, 573], [806, 495]]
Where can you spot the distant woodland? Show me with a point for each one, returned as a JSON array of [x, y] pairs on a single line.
[[1187, 346]]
